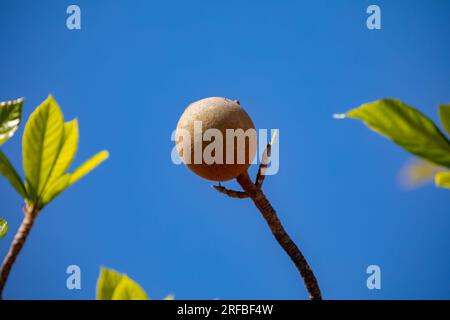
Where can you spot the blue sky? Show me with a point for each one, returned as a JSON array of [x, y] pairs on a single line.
[[132, 69]]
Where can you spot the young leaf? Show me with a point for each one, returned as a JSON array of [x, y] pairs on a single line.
[[127, 289], [444, 115], [63, 182], [273, 137], [112, 285], [88, 166], [42, 139], [3, 228], [107, 282], [65, 155], [8, 171], [407, 127], [442, 179], [10, 116], [419, 172], [54, 189]]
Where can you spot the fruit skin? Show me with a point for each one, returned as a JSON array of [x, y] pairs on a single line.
[[221, 114]]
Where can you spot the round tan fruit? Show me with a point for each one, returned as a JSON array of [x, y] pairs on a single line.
[[220, 114]]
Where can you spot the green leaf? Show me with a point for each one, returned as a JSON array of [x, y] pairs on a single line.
[[419, 172], [68, 150], [112, 285], [107, 282], [8, 171], [127, 289], [3, 228], [444, 115], [442, 179], [64, 159], [407, 127], [88, 166], [10, 116], [42, 140], [55, 189], [63, 182]]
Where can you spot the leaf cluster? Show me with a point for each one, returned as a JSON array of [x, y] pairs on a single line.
[[411, 130], [49, 146]]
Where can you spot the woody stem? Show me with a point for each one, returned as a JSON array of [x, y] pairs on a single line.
[[269, 214], [17, 244]]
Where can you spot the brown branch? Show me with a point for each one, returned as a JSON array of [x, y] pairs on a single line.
[[231, 193], [263, 167], [269, 214], [17, 244]]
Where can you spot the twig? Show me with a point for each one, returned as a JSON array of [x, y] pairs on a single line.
[[263, 167], [269, 214], [17, 244], [231, 193]]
